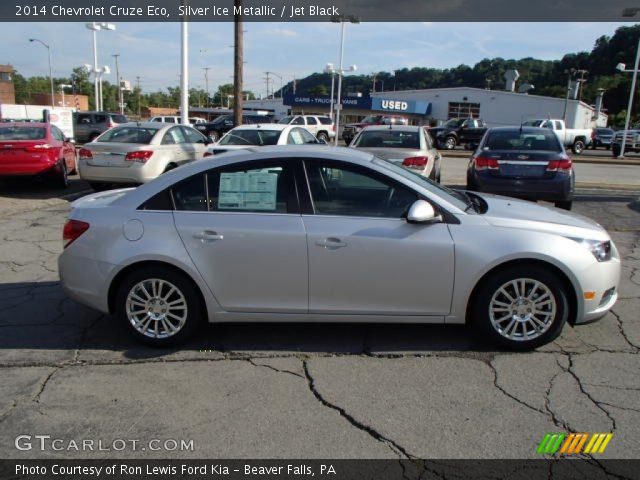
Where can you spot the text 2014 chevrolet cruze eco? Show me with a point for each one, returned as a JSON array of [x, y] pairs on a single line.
[[316, 234]]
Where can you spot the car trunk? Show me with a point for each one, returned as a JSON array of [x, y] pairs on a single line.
[[22, 152], [112, 154], [529, 164], [394, 155]]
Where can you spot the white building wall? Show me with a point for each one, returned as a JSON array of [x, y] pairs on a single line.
[[499, 108], [271, 104]]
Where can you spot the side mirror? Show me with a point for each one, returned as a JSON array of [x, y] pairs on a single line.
[[69, 140], [207, 141], [422, 212]]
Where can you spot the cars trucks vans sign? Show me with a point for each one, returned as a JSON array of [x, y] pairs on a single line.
[[362, 103]]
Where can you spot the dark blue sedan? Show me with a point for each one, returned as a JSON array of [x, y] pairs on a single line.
[[523, 162]]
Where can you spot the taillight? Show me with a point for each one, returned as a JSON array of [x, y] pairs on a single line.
[[111, 124], [415, 162], [563, 165], [484, 163], [208, 154], [43, 147], [72, 230], [85, 153], [139, 156]]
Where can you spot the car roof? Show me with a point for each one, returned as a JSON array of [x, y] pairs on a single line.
[[524, 129], [152, 125]]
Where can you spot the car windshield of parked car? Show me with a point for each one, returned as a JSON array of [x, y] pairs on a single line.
[[138, 135], [451, 196], [454, 122], [251, 137], [522, 140], [532, 123], [388, 139], [371, 119], [286, 120], [22, 133]]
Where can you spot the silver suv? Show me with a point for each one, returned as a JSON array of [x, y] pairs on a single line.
[[320, 125], [87, 126]]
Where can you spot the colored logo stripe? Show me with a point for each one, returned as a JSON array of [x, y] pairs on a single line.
[[550, 443], [598, 443], [573, 443]]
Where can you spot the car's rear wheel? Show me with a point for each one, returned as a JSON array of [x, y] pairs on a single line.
[[521, 307], [578, 147], [160, 306], [214, 136], [564, 204], [62, 176], [449, 143], [323, 137]]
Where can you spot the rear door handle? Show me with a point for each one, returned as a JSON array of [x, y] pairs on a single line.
[[331, 243], [208, 236]]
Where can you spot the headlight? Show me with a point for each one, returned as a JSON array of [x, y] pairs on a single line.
[[600, 250]]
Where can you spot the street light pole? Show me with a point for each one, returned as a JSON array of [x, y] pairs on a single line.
[[120, 99], [630, 106], [50, 70], [97, 80], [184, 79]]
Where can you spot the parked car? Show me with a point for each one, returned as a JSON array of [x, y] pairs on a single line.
[[221, 125], [135, 153], [601, 137], [576, 138], [87, 126], [403, 145], [351, 129], [321, 126], [176, 119], [459, 131], [524, 162], [311, 233], [36, 149], [260, 135], [632, 143]]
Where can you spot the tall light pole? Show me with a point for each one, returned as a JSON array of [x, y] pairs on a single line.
[[331, 69], [120, 99], [184, 77], [62, 87], [97, 79], [342, 19], [206, 82], [50, 74], [629, 12]]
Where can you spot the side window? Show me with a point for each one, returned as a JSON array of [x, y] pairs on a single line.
[[100, 119], [57, 134], [173, 136], [83, 119], [312, 121], [307, 136], [345, 190], [259, 188], [192, 135], [190, 194], [558, 125], [295, 137], [298, 121], [169, 120]]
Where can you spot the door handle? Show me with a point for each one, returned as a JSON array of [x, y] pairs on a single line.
[[208, 236], [331, 243]]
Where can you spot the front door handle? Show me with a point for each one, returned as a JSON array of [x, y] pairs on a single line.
[[208, 236], [331, 243]]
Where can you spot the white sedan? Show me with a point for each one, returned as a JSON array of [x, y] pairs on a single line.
[[263, 134], [135, 153]]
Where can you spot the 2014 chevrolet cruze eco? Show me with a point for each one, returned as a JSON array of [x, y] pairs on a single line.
[[316, 234]]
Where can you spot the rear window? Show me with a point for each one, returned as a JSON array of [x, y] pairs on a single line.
[[22, 133], [388, 139], [138, 135], [604, 131], [119, 119], [251, 137], [325, 120], [522, 140]]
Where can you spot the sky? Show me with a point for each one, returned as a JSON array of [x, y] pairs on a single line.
[[152, 50]]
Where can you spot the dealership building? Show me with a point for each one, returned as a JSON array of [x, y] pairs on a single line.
[[435, 106]]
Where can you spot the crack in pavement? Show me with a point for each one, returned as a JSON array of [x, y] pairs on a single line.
[[271, 367]]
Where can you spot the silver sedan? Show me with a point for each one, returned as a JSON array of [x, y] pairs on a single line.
[[409, 146], [315, 234]]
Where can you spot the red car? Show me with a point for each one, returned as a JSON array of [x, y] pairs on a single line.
[[36, 149]]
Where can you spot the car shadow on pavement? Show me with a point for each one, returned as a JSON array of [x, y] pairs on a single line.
[[38, 316], [40, 188]]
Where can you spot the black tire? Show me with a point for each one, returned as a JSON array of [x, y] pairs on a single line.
[[578, 147], [449, 143], [184, 286], [323, 137], [439, 174], [61, 179], [564, 204], [615, 151], [490, 286], [213, 136], [471, 184], [93, 136], [99, 186], [347, 140]]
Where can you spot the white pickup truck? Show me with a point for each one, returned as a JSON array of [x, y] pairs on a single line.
[[576, 138]]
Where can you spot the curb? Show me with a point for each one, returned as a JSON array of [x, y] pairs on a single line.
[[596, 161]]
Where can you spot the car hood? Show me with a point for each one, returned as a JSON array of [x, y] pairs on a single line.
[[513, 213]]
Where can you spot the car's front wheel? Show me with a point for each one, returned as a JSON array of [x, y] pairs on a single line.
[[449, 143], [323, 137], [213, 136], [521, 307], [160, 306], [564, 204], [578, 147]]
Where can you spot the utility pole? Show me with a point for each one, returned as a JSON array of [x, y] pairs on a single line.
[[206, 83], [238, 56], [375, 76], [120, 99], [138, 88], [267, 79]]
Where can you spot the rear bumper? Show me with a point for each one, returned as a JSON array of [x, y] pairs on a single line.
[[84, 279], [559, 188], [29, 170], [136, 173]]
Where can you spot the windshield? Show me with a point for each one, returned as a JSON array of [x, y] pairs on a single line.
[[454, 122], [119, 118], [532, 123], [286, 120], [388, 139], [22, 133], [251, 137], [371, 119], [539, 140], [455, 198], [138, 135]]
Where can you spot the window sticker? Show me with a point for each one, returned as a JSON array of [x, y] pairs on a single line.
[[248, 191]]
